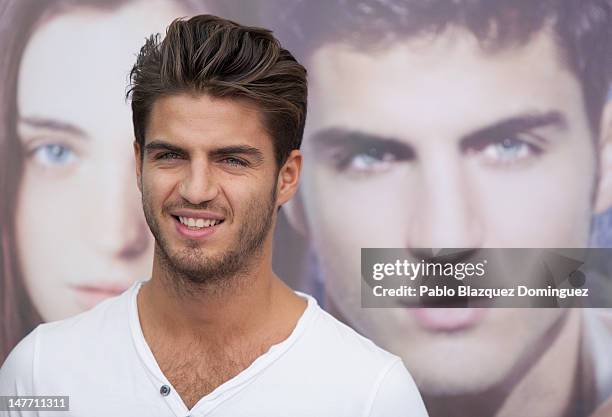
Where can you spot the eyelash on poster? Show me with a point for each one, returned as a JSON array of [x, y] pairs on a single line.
[[343, 155]]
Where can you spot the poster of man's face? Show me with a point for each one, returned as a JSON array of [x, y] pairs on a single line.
[[454, 125]]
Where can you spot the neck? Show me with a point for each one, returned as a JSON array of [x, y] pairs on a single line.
[[233, 305], [543, 384], [548, 387]]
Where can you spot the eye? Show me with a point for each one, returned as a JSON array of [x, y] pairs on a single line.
[[509, 150], [167, 155], [234, 162], [372, 156], [53, 155], [505, 149], [369, 159]]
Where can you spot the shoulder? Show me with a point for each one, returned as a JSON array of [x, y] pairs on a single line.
[[356, 363], [101, 321], [56, 346], [397, 394], [342, 341], [16, 374]]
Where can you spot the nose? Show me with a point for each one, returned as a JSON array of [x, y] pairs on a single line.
[[120, 228], [199, 185], [446, 211]]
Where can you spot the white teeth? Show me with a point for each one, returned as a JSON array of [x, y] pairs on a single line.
[[199, 223]]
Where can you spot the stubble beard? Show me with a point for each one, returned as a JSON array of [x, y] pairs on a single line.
[[191, 271]]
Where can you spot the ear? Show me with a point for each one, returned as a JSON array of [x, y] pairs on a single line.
[[287, 189], [138, 159], [288, 177]]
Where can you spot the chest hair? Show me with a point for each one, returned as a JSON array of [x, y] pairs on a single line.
[[195, 372]]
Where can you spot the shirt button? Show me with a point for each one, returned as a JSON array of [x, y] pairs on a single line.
[[164, 390]]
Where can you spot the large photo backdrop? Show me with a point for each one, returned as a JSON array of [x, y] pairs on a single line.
[[469, 124]]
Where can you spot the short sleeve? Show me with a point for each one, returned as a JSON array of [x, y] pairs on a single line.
[[16, 374], [397, 395]]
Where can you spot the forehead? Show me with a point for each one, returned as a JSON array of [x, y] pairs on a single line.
[[202, 121], [76, 63], [448, 81]]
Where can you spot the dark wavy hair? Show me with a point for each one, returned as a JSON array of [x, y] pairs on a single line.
[[221, 58], [582, 28]]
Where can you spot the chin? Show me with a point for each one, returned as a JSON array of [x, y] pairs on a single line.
[[444, 379], [458, 365]]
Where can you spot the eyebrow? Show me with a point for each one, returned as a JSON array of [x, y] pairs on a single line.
[[53, 124], [339, 138], [246, 150], [336, 137], [517, 124], [160, 145]]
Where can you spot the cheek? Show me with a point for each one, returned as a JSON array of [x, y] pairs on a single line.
[[357, 211], [47, 209], [347, 214], [47, 212], [547, 205], [248, 194], [159, 187]]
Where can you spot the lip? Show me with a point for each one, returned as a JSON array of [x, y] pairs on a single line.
[[203, 233], [197, 214], [448, 319], [88, 295]]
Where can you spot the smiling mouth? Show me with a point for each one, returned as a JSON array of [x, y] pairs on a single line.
[[197, 223]]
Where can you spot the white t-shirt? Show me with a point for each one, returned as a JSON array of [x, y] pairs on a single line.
[[101, 360]]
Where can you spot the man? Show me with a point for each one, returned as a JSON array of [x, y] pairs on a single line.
[[218, 112], [461, 124]]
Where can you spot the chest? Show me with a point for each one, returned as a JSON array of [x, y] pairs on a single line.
[[195, 373]]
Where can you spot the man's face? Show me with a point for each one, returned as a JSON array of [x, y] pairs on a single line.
[[434, 142], [208, 185]]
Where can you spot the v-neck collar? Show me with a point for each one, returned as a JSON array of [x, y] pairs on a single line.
[[226, 390]]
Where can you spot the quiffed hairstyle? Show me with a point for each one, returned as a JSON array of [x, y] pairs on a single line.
[[582, 29], [210, 55]]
